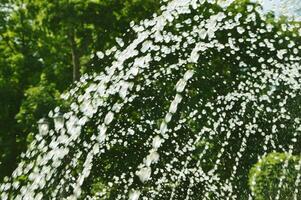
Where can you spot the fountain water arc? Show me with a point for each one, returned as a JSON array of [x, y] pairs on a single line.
[[207, 89]]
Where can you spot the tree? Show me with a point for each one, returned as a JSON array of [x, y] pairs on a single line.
[[183, 111], [17, 64], [52, 40], [189, 105], [88, 26], [38, 101], [275, 173]]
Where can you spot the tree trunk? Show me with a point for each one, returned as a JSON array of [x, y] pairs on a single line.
[[75, 57], [76, 65]]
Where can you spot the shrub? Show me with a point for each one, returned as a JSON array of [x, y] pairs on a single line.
[[275, 176]]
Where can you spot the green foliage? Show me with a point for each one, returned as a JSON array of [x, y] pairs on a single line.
[[39, 39], [265, 176], [44, 41], [216, 75], [37, 103], [81, 28], [9, 102], [99, 189]]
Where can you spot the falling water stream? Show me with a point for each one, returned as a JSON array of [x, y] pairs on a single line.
[[183, 111]]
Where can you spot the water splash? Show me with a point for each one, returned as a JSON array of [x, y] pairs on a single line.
[[182, 112]]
